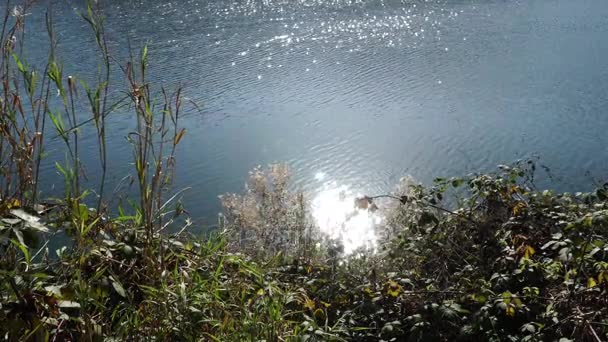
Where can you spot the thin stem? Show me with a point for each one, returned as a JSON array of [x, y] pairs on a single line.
[[580, 265], [400, 199], [102, 130]]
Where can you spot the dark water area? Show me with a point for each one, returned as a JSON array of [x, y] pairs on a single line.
[[356, 94]]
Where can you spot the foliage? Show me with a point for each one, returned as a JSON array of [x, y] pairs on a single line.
[[269, 218], [510, 263]]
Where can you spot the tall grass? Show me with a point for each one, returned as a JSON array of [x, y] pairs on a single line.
[[154, 142], [29, 113], [25, 92], [98, 97], [27, 107]]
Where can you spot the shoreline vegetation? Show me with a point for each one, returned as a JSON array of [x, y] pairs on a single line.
[[481, 257]]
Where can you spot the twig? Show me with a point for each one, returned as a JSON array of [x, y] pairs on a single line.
[[16, 290], [597, 338], [171, 199], [404, 199], [40, 249]]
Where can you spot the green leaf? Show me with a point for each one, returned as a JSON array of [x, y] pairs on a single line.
[[61, 169], [458, 308], [144, 54], [528, 327], [517, 302], [23, 249], [55, 290], [20, 65], [587, 221], [31, 221], [19, 234], [20, 213], [602, 194], [457, 182], [481, 299], [58, 123], [118, 288], [11, 221], [548, 244], [31, 82], [426, 218], [85, 230]]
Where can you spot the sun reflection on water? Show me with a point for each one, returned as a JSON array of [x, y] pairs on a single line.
[[334, 211]]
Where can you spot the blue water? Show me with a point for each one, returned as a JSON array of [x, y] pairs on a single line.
[[358, 92]]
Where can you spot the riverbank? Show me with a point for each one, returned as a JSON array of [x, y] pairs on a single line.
[[508, 263]]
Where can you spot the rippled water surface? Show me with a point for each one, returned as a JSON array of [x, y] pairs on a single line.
[[355, 94]]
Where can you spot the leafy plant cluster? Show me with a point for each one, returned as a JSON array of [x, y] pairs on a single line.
[[509, 263]]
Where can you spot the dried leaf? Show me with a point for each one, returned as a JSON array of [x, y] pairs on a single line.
[[363, 202], [179, 136], [20, 213]]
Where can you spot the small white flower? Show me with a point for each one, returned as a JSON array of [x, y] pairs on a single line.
[[11, 42], [17, 12]]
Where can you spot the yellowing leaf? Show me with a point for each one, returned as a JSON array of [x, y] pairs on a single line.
[[309, 304], [591, 282], [588, 221], [517, 209], [517, 302], [528, 252], [319, 314], [260, 292], [510, 310], [514, 189], [13, 203], [479, 298], [393, 289], [179, 136]]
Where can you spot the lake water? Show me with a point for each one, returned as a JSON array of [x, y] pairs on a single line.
[[356, 94]]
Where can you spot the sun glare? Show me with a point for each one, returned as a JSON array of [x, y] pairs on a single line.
[[335, 213]]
